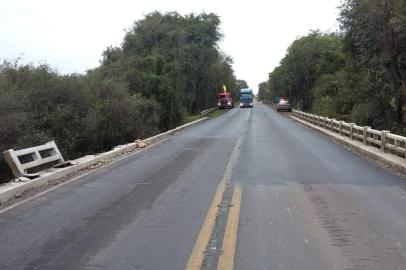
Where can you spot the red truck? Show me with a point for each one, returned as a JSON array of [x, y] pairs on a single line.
[[225, 100]]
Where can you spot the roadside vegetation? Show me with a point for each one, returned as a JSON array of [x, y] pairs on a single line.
[[216, 113], [357, 75], [168, 69]]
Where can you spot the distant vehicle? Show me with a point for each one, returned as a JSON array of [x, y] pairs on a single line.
[[246, 98], [277, 99], [283, 105], [225, 100]]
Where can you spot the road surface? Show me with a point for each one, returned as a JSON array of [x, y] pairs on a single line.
[[250, 189]]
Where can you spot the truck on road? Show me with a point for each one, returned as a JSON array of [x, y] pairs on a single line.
[[225, 101], [246, 98]]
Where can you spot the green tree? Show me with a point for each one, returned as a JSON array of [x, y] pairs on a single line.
[[263, 91], [374, 38], [175, 60], [308, 70]]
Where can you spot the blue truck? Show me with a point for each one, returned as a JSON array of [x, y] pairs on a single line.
[[246, 98]]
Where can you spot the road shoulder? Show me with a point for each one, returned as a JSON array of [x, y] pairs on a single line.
[[386, 160]]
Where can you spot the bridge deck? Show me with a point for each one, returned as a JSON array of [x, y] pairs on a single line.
[[288, 199]]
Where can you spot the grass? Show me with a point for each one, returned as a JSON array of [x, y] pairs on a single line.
[[190, 118], [216, 113]]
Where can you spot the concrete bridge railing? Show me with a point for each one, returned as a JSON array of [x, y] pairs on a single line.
[[382, 139], [21, 161]]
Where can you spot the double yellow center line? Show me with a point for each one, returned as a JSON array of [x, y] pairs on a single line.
[[226, 259]]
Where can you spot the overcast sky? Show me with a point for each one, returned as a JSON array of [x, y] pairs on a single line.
[[71, 35]]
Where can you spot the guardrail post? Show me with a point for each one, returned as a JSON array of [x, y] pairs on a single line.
[[332, 124], [383, 139], [351, 131], [404, 143], [13, 162], [340, 127], [365, 134]]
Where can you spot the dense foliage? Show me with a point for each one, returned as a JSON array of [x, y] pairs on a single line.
[[357, 75], [175, 60], [168, 67]]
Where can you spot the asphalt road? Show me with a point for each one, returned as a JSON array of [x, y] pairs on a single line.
[[250, 189]]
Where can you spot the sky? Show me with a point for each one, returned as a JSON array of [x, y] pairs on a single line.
[[71, 35]]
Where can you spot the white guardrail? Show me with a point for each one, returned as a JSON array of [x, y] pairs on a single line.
[[382, 139]]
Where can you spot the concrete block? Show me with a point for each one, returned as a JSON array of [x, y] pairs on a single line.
[[39, 155]]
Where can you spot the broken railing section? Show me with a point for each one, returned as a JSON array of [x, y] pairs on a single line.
[[23, 162], [382, 139]]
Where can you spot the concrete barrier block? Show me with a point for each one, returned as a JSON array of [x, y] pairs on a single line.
[[20, 161]]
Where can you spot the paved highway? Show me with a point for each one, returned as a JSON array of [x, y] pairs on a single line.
[[251, 189]]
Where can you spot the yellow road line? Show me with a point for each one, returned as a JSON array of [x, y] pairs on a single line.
[[226, 260], [197, 256]]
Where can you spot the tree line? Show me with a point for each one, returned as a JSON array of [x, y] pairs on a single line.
[[357, 74], [169, 66]]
